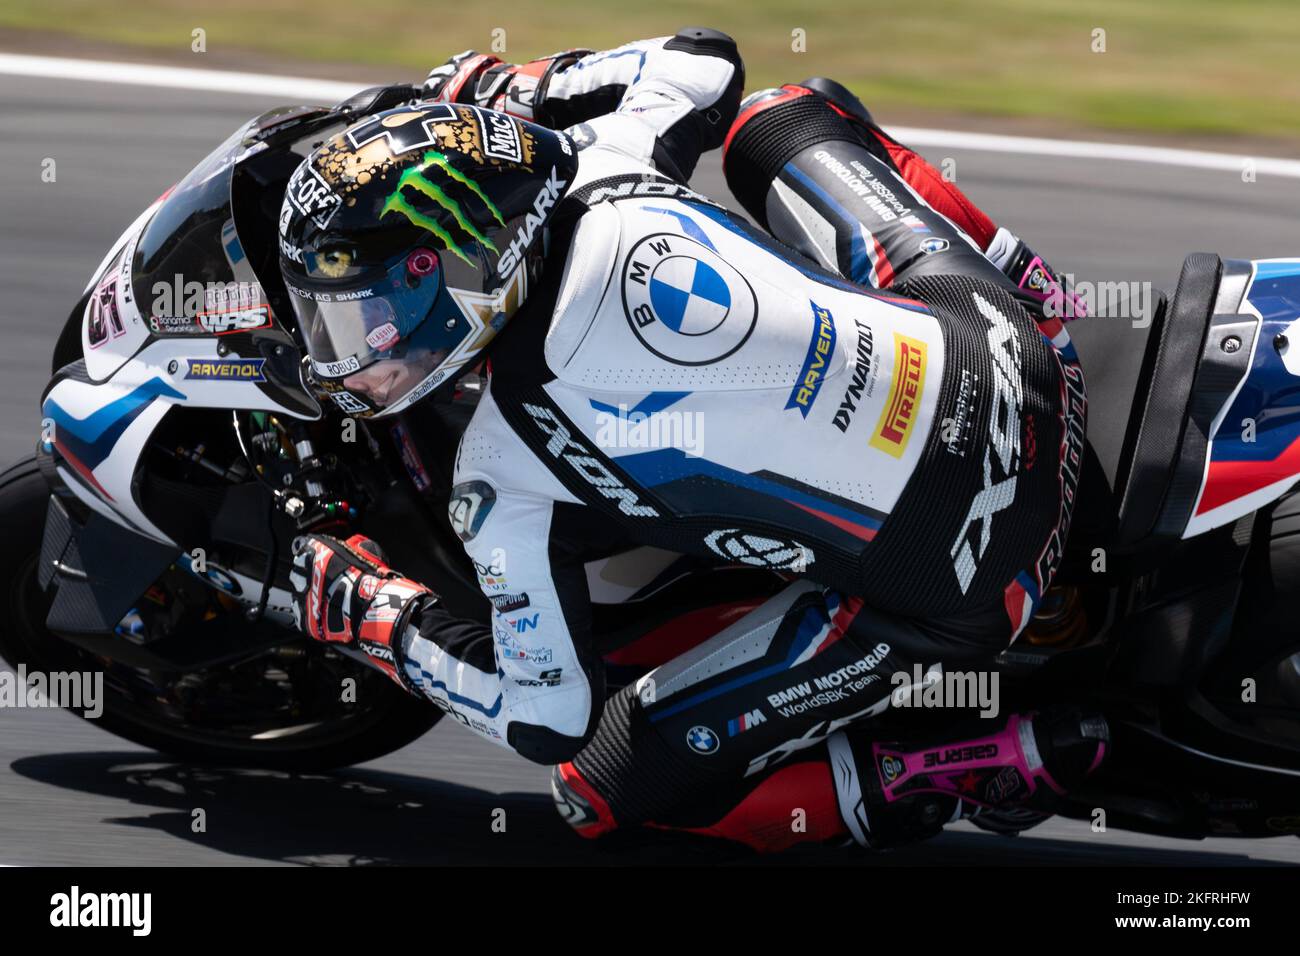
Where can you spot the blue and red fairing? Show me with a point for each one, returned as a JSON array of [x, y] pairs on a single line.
[[1254, 453]]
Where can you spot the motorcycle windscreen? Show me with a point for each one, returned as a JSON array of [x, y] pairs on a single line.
[[192, 279], [190, 274]]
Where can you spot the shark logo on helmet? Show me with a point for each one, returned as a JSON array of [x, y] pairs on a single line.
[[417, 178]]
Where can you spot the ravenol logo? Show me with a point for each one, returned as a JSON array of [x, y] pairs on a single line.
[[815, 363], [417, 178], [898, 417], [226, 370]]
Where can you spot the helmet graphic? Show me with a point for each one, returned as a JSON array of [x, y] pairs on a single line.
[[408, 241]]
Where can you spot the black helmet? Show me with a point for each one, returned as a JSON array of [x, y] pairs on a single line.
[[408, 240]]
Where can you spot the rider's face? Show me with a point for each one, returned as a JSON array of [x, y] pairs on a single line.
[[388, 380]]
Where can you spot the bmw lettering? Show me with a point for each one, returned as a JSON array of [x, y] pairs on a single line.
[[684, 302]]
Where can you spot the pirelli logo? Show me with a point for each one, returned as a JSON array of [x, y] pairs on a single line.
[[898, 419]]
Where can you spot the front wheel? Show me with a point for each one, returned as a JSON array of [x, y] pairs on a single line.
[[284, 708]]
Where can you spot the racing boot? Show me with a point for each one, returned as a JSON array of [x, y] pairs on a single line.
[[891, 794]]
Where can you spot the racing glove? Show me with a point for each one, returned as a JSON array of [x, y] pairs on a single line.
[[1038, 285], [346, 594], [484, 80]]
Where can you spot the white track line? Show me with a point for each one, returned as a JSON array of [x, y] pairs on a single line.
[[330, 91]]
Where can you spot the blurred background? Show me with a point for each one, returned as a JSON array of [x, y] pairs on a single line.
[[1190, 68]]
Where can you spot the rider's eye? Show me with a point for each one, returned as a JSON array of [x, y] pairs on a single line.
[[334, 262]]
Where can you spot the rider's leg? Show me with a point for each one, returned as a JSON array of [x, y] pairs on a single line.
[[808, 162], [700, 742]]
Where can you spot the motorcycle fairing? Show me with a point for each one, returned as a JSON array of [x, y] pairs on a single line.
[[1253, 456], [98, 413], [99, 430]]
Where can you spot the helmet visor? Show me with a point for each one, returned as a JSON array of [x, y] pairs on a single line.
[[373, 343]]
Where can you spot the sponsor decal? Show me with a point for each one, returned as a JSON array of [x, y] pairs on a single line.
[[861, 383], [500, 136], [898, 418], [287, 249], [102, 316], [965, 754], [348, 403], [702, 740], [383, 338], [684, 302], [378, 651], [308, 193], [547, 678], [932, 245], [891, 768], [511, 651], [469, 506], [1074, 408], [505, 603], [956, 427], [225, 370], [427, 179], [759, 551], [238, 320], [561, 444], [337, 369], [657, 188], [746, 721], [491, 577], [816, 363], [547, 197], [522, 625], [839, 685], [1002, 454]]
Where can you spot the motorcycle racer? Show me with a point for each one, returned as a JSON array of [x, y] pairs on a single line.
[[921, 432]]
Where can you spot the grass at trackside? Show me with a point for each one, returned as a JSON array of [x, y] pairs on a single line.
[[1186, 66]]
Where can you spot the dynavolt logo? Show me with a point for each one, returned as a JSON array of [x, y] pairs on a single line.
[[702, 740], [419, 180]]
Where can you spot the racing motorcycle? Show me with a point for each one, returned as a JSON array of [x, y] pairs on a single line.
[[182, 449]]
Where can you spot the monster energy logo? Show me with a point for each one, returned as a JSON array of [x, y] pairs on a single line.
[[417, 178]]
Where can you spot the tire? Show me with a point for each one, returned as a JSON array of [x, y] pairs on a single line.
[[389, 720]]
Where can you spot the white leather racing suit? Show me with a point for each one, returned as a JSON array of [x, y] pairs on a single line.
[[690, 384]]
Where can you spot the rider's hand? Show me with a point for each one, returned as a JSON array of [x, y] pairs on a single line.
[[454, 81], [344, 592]]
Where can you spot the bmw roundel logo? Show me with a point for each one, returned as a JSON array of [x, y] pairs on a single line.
[[933, 244], [684, 302], [702, 740]]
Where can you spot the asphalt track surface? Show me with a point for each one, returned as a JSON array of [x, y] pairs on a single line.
[[72, 794]]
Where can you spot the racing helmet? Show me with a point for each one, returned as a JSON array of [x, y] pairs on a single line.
[[408, 240]]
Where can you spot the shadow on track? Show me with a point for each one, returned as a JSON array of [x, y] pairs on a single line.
[[364, 818]]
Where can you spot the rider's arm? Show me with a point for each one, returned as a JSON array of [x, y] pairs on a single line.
[[527, 678], [675, 96]]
